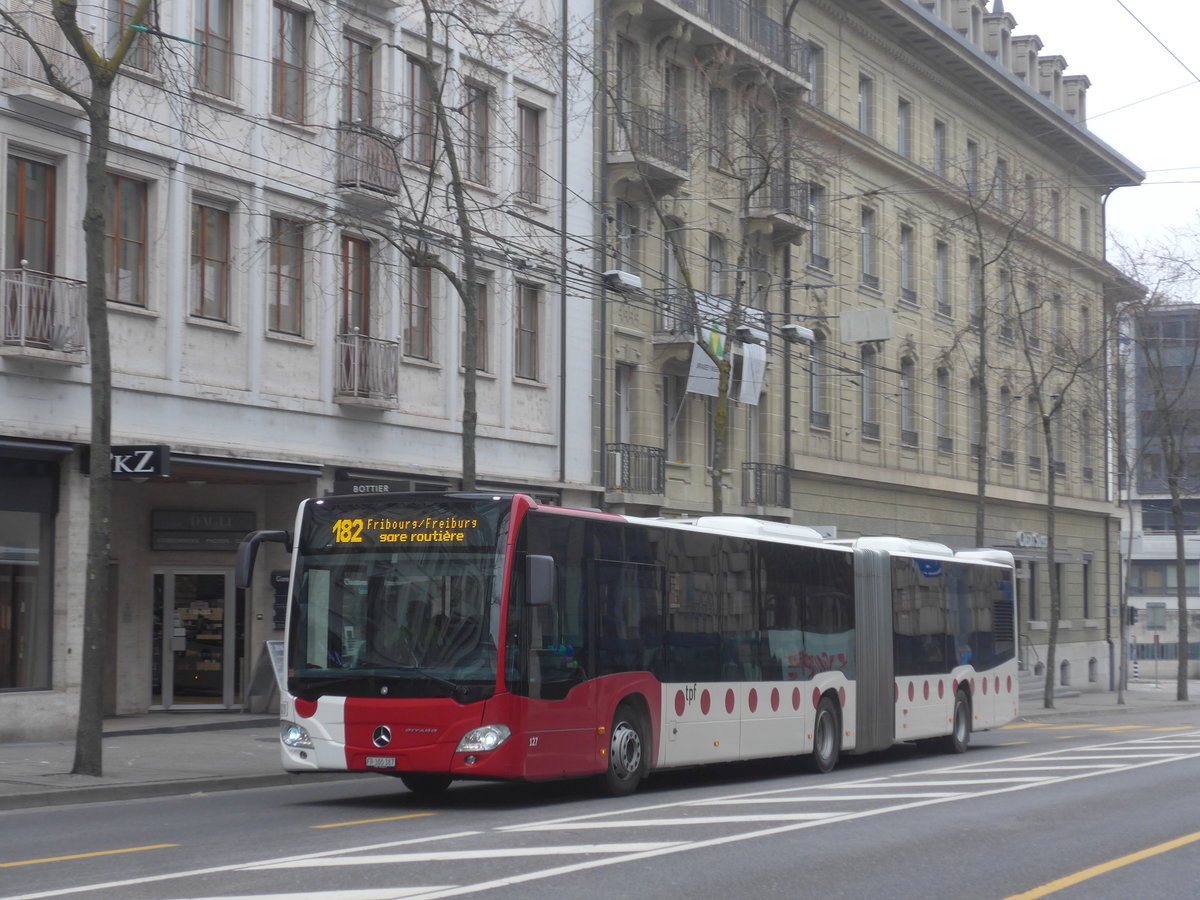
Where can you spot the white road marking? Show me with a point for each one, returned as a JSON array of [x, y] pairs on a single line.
[[459, 855]]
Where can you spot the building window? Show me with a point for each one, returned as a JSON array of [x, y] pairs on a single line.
[[1000, 188], [908, 404], [210, 262], [418, 332], [974, 411], [29, 220], [675, 423], [1056, 215], [529, 139], [287, 63], [1033, 439], [816, 75], [1005, 427], [477, 134], [869, 391], [941, 279], [866, 105], [972, 170], [358, 92], [483, 297], [904, 120], [525, 363], [27, 507], [1085, 445], [907, 284], [419, 142], [1031, 317], [1031, 200], [125, 242], [717, 283], [819, 234], [718, 128], [356, 286], [285, 276], [1085, 230], [1058, 332], [939, 148], [818, 383], [120, 14], [867, 240], [974, 294], [943, 411], [1004, 305], [625, 226], [214, 39]]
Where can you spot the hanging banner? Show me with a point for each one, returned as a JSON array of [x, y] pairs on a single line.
[[704, 376], [754, 369]]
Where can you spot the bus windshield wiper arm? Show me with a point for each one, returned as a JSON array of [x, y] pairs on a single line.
[[456, 689]]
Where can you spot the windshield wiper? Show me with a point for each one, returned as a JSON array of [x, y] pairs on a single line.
[[456, 689]]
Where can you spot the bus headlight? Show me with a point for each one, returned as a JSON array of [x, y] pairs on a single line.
[[293, 735], [481, 740]]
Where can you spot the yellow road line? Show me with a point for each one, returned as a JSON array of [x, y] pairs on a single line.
[[1121, 728], [52, 859], [1104, 868], [1014, 744], [1023, 725], [373, 821]]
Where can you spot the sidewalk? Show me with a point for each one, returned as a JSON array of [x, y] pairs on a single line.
[[167, 753]]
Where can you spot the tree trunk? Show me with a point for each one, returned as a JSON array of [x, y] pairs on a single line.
[[1051, 568], [89, 729]]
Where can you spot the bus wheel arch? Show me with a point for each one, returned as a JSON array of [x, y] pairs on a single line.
[[826, 733], [629, 747]]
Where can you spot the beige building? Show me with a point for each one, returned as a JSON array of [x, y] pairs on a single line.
[[891, 214]]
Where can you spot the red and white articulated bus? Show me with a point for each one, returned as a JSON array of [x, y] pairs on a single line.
[[438, 637]]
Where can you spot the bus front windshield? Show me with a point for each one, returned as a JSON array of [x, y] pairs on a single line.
[[397, 598]]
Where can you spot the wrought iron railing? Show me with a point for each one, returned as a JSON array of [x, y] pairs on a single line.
[[44, 311], [368, 367], [367, 159], [634, 469], [652, 135], [766, 484], [756, 30], [780, 193]]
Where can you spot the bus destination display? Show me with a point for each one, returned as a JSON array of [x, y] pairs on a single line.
[[383, 530]]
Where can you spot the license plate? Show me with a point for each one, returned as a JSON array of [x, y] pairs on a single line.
[[381, 762]]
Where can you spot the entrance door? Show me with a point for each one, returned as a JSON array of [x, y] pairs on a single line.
[[197, 636]]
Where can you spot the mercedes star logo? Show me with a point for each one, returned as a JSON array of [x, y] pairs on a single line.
[[382, 736]]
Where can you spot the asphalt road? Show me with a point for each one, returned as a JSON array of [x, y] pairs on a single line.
[[1095, 809]]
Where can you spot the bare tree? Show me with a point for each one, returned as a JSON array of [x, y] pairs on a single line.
[[1162, 327], [95, 99]]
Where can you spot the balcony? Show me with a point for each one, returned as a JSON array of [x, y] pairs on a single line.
[[23, 73], [779, 206], [756, 31], [632, 469], [766, 484], [45, 317], [367, 371], [647, 145], [366, 162]]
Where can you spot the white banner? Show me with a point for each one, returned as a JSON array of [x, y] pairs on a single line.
[[704, 377], [754, 369]]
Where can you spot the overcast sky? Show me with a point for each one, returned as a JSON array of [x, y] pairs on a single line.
[[1142, 102]]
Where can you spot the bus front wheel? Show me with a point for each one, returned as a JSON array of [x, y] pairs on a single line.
[[425, 782], [628, 752], [827, 736]]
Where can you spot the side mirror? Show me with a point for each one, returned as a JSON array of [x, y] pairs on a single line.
[[247, 551], [539, 580]]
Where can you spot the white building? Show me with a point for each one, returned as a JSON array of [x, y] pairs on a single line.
[[272, 181]]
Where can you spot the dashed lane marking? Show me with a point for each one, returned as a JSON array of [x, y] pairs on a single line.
[[92, 855]]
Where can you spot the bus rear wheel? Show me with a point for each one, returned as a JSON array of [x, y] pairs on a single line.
[[425, 782], [628, 756], [827, 736]]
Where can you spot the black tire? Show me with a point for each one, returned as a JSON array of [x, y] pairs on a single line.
[[628, 752], [827, 736], [959, 737], [425, 782]]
